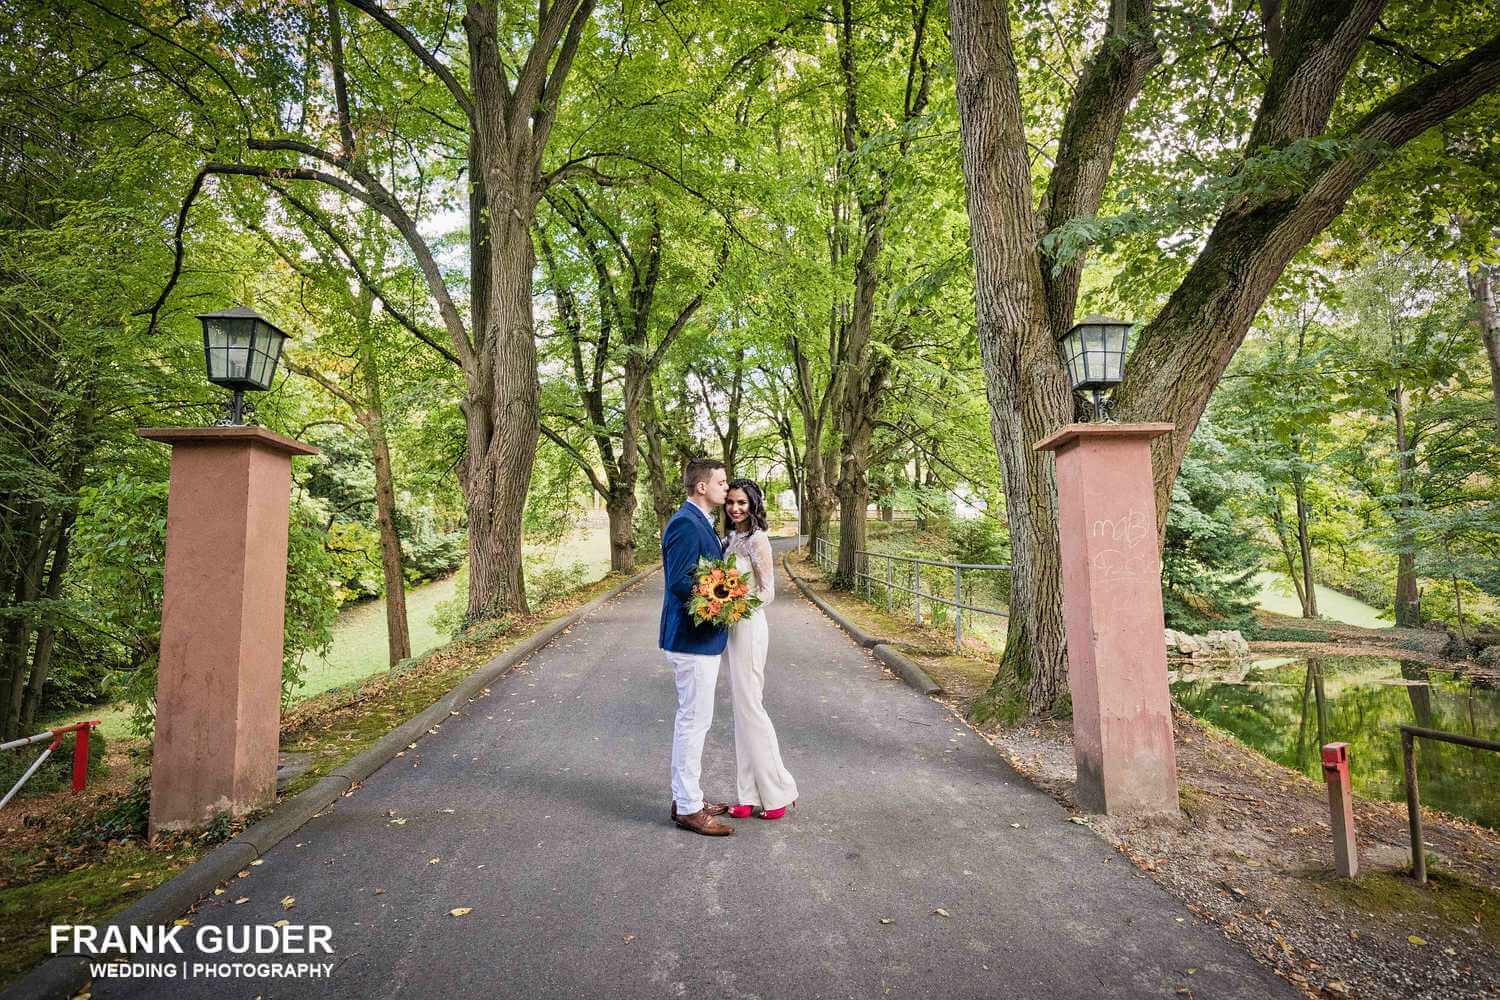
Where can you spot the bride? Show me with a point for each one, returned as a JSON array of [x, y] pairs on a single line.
[[766, 788]]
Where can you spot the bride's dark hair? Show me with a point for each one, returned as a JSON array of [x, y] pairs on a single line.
[[757, 505]]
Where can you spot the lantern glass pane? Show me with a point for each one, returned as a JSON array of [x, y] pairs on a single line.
[[237, 366], [215, 339]]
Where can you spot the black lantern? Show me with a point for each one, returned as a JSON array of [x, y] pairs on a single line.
[[241, 349], [1094, 351]]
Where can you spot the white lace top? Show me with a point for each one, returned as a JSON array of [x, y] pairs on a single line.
[[754, 551]]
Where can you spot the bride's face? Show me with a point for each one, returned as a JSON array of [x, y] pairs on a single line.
[[737, 507]]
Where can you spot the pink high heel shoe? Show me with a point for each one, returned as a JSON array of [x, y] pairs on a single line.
[[777, 813], [741, 812]]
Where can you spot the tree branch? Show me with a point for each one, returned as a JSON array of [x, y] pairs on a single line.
[[389, 23], [578, 459]]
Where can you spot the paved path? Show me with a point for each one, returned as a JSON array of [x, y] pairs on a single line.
[[544, 808]]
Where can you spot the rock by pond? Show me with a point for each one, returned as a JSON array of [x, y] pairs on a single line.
[[1287, 708]]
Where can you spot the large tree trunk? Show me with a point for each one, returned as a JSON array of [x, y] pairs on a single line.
[[1029, 395], [621, 510], [501, 413]]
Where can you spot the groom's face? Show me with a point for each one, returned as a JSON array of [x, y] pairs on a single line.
[[715, 487]]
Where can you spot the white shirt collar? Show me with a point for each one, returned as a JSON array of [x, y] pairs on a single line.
[[706, 516]]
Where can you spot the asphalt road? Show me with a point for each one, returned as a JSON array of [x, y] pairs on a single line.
[[543, 809]]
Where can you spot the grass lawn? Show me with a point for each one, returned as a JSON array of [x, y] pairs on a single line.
[[1276, 595]]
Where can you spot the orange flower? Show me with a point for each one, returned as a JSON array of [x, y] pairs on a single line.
[[706, 589], [739, 591], [716, 575], [714, 607]]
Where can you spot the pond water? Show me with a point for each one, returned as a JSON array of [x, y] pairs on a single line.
[[1287, 708]]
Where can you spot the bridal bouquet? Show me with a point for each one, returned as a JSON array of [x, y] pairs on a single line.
[[721, 593]]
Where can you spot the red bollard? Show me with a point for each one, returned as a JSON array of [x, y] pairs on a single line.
[[1340, 808]]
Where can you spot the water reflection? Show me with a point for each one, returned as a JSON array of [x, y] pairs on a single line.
[[1287, 709]]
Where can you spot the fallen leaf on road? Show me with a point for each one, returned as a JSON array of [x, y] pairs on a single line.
[[1016, 825], [1415, 940], [433, 861], [257, 861], [182, 922], [219, 892], [399, 821], [380, 892], [886, 920], [942, 912], [287, 902], [460, 911], [242, 899], [281, 923], [629, 938]]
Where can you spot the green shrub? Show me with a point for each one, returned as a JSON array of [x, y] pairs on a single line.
[[126, 819], [448, 616], [976, 540], [645, 532], [545, 584]]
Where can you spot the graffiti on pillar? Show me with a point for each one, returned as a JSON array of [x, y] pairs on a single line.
[[1131, 558]]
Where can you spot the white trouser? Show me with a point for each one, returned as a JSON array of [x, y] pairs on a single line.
[[762, 778], [696, 676]]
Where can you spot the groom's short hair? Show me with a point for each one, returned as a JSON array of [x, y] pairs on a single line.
[[698, 470]]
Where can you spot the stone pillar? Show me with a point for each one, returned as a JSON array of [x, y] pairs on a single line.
[[1111, 582], [218, 690]]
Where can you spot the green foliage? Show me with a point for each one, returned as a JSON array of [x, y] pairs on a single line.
[[645, 531], [448, 618], [545, 583], [1208, 559], [976, 540], [120, 554], [126, 819]]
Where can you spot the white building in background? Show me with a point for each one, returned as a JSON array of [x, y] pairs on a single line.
[[967, 504]]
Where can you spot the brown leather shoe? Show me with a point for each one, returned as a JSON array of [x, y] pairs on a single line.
[[701, 822], [712, 808]]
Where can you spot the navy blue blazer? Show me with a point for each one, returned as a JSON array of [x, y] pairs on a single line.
[[688, 537]]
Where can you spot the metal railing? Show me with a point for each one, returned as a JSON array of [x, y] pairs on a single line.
[[1409, 736], [826, 556]]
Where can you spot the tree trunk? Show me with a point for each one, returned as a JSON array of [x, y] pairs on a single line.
[[1278, 525], [398, 634], [1408, 605], [1028, 393], [35, 548], [1481, 281], [46, 637], [1304, 545], [621, 510], [501, 411], [656, 462]]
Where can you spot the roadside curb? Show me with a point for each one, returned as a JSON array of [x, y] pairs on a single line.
[[61, 976], [883, 651]]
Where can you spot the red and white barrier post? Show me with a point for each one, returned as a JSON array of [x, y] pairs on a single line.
[[80, 754]]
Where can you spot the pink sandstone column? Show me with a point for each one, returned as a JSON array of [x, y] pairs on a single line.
[[1111, 577], [218, 692]]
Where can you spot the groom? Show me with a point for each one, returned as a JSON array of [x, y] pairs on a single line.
[[692, 650]]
